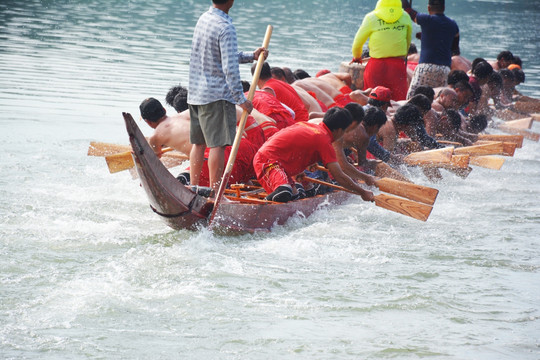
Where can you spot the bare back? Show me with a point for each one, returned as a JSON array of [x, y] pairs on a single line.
[[173, 132]]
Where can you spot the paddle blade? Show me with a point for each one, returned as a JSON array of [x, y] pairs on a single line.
[[527, 134], [488, 162], [410, 191], [104, 149], [431, 158], [509, 148], [494, 148], [518, 139], [525, 123], [119, 162], [460, 161], [406, 207]]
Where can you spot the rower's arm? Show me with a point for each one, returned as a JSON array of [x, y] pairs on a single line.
[[455, 45], [348, 168], [347, 182], [156, 143], [407, 7]]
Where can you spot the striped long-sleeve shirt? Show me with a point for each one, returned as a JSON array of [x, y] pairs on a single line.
[[214, 72]]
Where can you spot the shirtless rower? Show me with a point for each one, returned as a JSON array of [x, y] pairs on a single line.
[[374, 118], [504, 58], [171, 131], [407, 119], [446, 123], [464, 95]]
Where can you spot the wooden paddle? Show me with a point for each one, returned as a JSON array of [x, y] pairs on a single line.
[[124, 160], [488, 162], [393, 203], [404, 189], [525, 123], [494, 148], [447, 142], [105, 149], [509, 148], [459, 162], [527, 134], [518, 139], [430, 158], [240, 130]]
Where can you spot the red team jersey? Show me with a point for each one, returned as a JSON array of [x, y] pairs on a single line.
[[270, 106], [242, 170], [286, 94], [293, 149]]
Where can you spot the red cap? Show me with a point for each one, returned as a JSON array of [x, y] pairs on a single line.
[[381, 93], [322, 72]]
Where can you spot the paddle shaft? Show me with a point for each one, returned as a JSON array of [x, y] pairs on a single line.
[[240, 130], [404, 189], [406, 207]]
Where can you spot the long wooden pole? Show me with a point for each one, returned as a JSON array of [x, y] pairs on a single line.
[[240, 130]]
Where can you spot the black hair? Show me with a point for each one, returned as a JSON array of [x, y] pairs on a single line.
[[245, 86], [376, 103], [277, 72], [356, 110], [495, 79], [289, 75], [482, 70], [456, 76], [301, 74], [337, 118], [476, 62], [425, 90], [219, 2], [519, 75], [266, 73], [507, 74], [463, 86], [412, 49], [374, 116], [421, 101], [175, 90], [408, 114], [454, 118], [477, 123], [517, 61], [505, 55], [180, 102], [436, 5], [152, 110]]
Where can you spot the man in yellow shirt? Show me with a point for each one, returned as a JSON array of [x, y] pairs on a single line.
[[389, 29]]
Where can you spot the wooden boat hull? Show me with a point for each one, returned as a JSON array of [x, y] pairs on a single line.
[[181, 208]]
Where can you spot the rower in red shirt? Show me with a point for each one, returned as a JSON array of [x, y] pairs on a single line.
[[284, 92], [289, 152], [270, 106], [242, 170]]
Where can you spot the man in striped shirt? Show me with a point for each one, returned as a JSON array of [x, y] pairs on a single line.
[[214, 89]]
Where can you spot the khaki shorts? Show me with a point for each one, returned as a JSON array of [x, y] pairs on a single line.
[[213, 124]]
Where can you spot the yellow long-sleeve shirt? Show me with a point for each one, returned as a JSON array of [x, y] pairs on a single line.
[[389, 30]]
